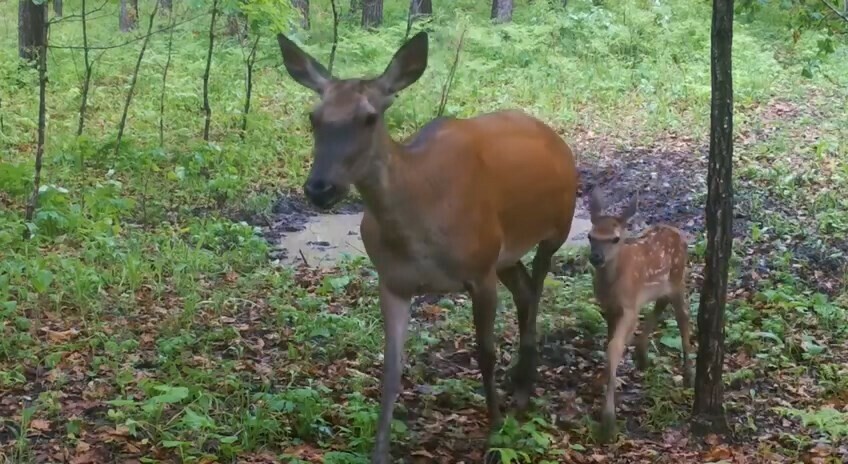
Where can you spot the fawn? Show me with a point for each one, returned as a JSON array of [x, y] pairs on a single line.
[[630, 272]]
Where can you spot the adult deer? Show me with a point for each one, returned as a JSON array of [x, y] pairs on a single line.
[[453, 208], [628, 274]]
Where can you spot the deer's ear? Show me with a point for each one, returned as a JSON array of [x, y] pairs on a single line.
[[407, 65], [596, 204], [631, 208], [304, 69]]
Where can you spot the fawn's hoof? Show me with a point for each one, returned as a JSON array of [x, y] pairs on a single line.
[[608, 429]]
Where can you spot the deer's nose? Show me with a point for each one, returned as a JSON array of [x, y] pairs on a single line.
[[320, 192]]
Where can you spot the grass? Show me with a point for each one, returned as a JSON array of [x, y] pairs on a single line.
[[143, 318]]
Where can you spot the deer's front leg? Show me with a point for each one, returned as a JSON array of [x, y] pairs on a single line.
[[395, 310], [615, 352]]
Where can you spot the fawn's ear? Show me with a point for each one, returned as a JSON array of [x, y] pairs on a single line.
[[304, 69], [596, 204], [631, 208], [407, 65]]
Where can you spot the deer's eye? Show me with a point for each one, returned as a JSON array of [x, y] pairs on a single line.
[[616, 240]]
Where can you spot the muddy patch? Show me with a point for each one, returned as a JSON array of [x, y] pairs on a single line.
[[324, 239]]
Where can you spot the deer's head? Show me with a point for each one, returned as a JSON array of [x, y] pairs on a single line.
[[607, 234], [347, 122]]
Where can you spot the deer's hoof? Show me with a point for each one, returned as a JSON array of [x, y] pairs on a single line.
[[608, 430]]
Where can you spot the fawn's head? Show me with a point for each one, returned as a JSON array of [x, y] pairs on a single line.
[[607, 234], [347, 123]]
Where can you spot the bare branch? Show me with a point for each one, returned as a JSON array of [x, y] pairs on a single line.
[[128, 42], [446, 89], [335, 37]]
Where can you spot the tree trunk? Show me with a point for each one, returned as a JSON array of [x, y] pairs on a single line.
[[57, 7], [355, 6], [422, 7], [166, 4], [129, 15], [303, 6], [372, 13], [31, 21], [502, 11], [708, 408]]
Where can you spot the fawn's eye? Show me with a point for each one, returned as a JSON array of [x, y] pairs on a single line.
[[370, 119], [615, 240]]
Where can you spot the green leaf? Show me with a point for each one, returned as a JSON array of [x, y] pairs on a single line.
[[169, 395], [41, 280]]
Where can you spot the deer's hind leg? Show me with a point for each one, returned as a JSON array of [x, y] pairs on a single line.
[[526, 292], [681, 313], [651, 321]]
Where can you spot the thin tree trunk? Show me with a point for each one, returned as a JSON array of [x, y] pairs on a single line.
[[128, 19], [134, 78], [31, 26], [502, 11], [421, 7], [708, 408], [164, 82], [303, 6], [372, 13], [206, 108], [248, 85], [57, 7], [355, 5], [32, 205], [86, 80]]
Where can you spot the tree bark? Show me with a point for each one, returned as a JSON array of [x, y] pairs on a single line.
[[303, 6], [421, 7], [31, 21], [708, 408], [372, 13], [57, 7], [129, 15], [502, 11]]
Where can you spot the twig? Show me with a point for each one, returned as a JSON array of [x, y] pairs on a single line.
[[446, 88], [206, 107], [134, 78], [251, 60], [335, 37], [300, 250], [81, 16], [87, 77], [128, 42], [835, 10]]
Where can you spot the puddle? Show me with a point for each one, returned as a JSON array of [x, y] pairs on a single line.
[[325, 238]]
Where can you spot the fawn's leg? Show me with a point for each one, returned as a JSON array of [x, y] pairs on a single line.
[[615, 352], [681, 313], [648, 329]]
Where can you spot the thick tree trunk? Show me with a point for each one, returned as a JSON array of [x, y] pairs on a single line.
[[372, 13], [303, 6], [708, 408], [129, 15], [57, 7], [421, 7], [502, 11], [31, 21]]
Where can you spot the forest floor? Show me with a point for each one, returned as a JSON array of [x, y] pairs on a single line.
[[259, 356]]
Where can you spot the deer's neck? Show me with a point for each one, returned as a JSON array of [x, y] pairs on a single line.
[[384, 188]]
